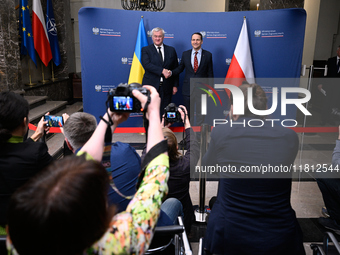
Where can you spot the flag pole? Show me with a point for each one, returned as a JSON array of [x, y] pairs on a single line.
[[53, 79], [43, 74], [29, 75]]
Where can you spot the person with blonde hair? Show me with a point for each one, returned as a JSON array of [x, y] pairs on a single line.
[[179, 181]]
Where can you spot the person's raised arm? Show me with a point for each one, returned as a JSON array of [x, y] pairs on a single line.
[[41, 129], [184, 115], [155, 129]]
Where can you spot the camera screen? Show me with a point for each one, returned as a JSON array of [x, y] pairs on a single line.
[[54, 121], [122, 103], [171, 115]]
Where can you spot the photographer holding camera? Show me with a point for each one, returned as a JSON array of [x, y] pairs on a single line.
[[20, 158], [65, 211], [179, 180]]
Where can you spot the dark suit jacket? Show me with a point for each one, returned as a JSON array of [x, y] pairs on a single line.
[[332, 67], [331, 85], [253, 215], [153, 67], [18, 163], [205, 69]]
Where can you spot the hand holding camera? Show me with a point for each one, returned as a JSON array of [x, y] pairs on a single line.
[[184, 115], [171, 114], [121, 98]]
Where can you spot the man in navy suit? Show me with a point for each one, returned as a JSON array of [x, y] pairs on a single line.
[[203, 68], [157, 60]]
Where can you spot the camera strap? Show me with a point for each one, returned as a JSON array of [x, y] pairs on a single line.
[[108, 133], [145, 120]]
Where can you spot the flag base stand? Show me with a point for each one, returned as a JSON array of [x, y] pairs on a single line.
[[30, 84], [44, 81], [54, 79]]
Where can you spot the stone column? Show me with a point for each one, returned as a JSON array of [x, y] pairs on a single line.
[[62, 15], [10, 65], [237, 5], [280, 4]]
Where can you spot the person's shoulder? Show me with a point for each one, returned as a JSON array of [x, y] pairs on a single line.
[[286, 132], [147, 47], [169, 47], [332, 58], [120, 148], [206, 52], [186, 54]]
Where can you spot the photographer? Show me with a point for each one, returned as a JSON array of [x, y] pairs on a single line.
[[252, 212], [64, 210], [179, 181], [20, 159]]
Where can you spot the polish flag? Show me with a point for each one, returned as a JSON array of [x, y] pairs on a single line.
[[41, 42], [241, 66]]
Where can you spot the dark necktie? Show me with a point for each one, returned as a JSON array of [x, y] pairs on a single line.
[[338, 65], [195, 62], [160, 53]]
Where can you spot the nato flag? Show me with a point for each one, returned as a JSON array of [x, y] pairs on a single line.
[[52, 33]]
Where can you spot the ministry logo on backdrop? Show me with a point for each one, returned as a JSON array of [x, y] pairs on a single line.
[[203, 33], [95, 30], [268, 33], [215, 35], [257, 33], [126, 61], [106, 32], [98, 88], [228, 61]]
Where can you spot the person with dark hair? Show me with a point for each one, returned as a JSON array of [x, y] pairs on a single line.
[[252, 213], [197, 63], [67, 210], [20, 159], [179, 181]]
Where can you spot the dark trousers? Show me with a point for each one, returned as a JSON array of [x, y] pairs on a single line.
[[330, 189], [165, 98], [197, 102], [194, 103]]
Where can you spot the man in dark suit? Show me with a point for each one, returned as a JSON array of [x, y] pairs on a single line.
[[157, 60], [251, 214], [196, 65], [331, 88]]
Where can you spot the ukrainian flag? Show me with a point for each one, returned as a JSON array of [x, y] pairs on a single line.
[[137, 71]]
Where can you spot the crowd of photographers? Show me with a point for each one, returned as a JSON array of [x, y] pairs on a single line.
[[64, 207], [83, 205]]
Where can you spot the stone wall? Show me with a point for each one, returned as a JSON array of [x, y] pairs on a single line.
[[10, 64]]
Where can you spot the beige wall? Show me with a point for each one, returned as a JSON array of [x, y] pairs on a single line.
[[312, 8]]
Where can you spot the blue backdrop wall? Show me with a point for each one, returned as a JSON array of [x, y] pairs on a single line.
[[108, 38]]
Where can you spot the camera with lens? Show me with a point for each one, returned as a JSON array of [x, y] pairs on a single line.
[[121, 98], [171, 113]]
